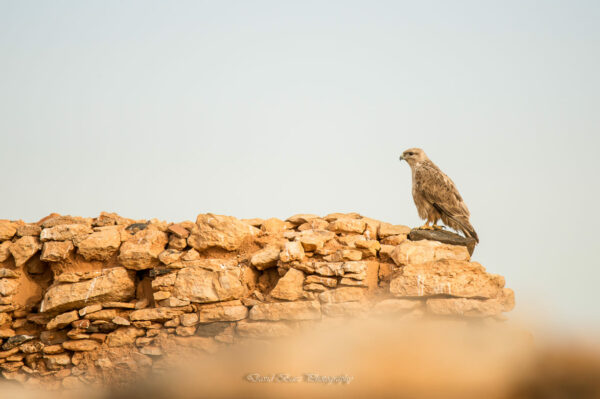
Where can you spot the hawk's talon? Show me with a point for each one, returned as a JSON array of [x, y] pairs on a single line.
[[425, 227], [436, 227]]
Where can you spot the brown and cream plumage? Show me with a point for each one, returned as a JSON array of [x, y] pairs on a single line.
[[435, 194]]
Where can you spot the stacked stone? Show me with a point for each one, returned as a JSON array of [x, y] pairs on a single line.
[[81, 298]]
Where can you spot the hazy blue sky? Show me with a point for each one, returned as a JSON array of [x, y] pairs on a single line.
[[270, 108]]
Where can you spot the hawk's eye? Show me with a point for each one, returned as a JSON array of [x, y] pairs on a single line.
[[409, 153]]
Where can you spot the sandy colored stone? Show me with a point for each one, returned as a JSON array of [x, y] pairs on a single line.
[[263, 329], [177, 242], [5, 250], [24, 248], [469, 307], [301, 310], [56, 251], [7, 229], [393, 240], [100, 245], [58, 361], [200, 285], [65, 232], [289, 287], [53, 349], [115, 284], [347, 225], [104, 314], [265, 258], [412, 252], [55, 219], [326, 281], [28, 229], [301, 218], [81, 345], [62, 320], [292, 250], [169, 256], [188, 319], [154, 314], [90, 309], [313, 240], [272, 226], [387, 229], [8, 286], [219, 231], [343, 294], [222, 313], [178, 230], [455, 278], [123, 336], [142, 250]]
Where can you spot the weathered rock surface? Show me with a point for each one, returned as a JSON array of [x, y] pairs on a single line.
[[219, 231], [443, 236], [24, 248], [100, 245], [289, 287], [116, 284], [142, 250], [411, 252], [456, 278], [200, 285], [301, 310]]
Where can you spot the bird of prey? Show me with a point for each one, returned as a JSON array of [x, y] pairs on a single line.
[[436, 196]]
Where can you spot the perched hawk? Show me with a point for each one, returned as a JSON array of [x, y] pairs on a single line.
[[436, 195]]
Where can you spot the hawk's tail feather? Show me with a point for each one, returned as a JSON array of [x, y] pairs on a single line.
[[459, 223]]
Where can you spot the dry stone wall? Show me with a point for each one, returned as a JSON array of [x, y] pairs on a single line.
[[90, 300]]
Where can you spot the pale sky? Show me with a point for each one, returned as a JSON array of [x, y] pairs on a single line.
[[271, 108]]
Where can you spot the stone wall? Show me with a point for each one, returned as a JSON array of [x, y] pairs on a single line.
[[88, 300]]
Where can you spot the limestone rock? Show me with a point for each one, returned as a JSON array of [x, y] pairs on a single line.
[[56, 251], [81, 345], [387, 229], [99, 245], [313, 240], [178, 230], [142, 250], [456, 278], [272, 226], [292, 250], [8, 287], [219, 231], [154, 314], [301, 310], [443, 236], [64, 232], [469, 307], [411, 252], [301, 218], [7, 229], [343, 294], [56, 220], [263, 329], [289, 287], [62, 320], [326, 281], [24, 248], [115, 284], [169, 256], [123, 336], [200, 285], [28, 230], [222, 313], [5, 250], [265, 258], [347, 225]]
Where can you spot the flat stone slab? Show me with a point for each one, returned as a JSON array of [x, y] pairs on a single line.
[[443, 236]]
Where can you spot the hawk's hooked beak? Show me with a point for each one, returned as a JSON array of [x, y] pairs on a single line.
[[401, 157]]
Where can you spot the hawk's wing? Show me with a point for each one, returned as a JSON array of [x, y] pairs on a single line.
[[439, 190]]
